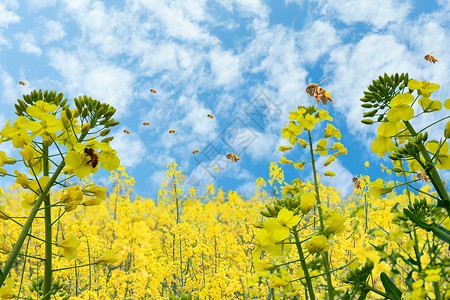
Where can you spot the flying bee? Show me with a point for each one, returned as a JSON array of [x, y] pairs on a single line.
[[422, 176], [171, 131], [153, 91], [94, 158], [233, 157], [21, 82], [210, 116], [195, 151], [356, 182], [126, 131], [146, 123], [430, 58], [318, 92]]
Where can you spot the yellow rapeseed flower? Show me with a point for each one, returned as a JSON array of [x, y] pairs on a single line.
[[331, 131], [307, 203], [108, 259], [280, 227], [68, 247], [6, 291], [317, 244]]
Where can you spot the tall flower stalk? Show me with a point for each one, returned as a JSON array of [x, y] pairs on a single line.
[[38, 131]]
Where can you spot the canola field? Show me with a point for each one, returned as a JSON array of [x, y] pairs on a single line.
[[65, 237]]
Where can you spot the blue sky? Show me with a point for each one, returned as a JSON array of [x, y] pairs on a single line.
[[229, 58]]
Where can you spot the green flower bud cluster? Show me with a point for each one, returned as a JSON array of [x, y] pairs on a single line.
[[359, 276], [411, 149], [31, 99], [286, 202], [97, 112], [37, 286], [380, 93]]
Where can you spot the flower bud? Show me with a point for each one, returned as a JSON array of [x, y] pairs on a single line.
[[447, 130], [318, 244], [307, 203], [105, 132], [85, 127]]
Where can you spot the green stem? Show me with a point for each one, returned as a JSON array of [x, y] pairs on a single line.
[[26, 227], [371, 288], [416, 243], [303, 264], [432, 172], [322, 227], [48, 232]]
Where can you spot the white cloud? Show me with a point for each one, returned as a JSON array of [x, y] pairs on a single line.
[[99, 80], [298, 2], [264, 146], [7, 17], [111, 84], [27, 43], [9, 93], [54, 31], [226, 68], [343, 179], [355, 66], [246, 8], [39, 4], [318, 39], [196, 118], [130, 149], [377, 13], [247, 189]]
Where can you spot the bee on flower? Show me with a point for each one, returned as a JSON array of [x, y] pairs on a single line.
[[318, 92], [94, 157], [430, 58], [356, 182], [210, 116], [126, 131], [171, 131], [233, 157], [422, 176]]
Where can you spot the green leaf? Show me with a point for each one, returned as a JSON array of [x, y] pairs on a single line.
[[363, 295], [391, 290], [441, 233]]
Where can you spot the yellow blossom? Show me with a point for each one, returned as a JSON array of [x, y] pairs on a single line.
[[68, 247], [108, 259], [317, 244]]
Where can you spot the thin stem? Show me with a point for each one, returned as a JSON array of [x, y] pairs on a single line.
[[303, 264], [48, 232], [26, 227], [432, 173], [322, 227]]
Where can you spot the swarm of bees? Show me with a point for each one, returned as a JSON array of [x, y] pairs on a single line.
[[430, 58], [21, 82], [210, 116], [422, 176], [94, 158], [153, 91], [318, 92], [146, 123], [233, 157], [171, 131], [195, 151], [356, 182], [126, 131]]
